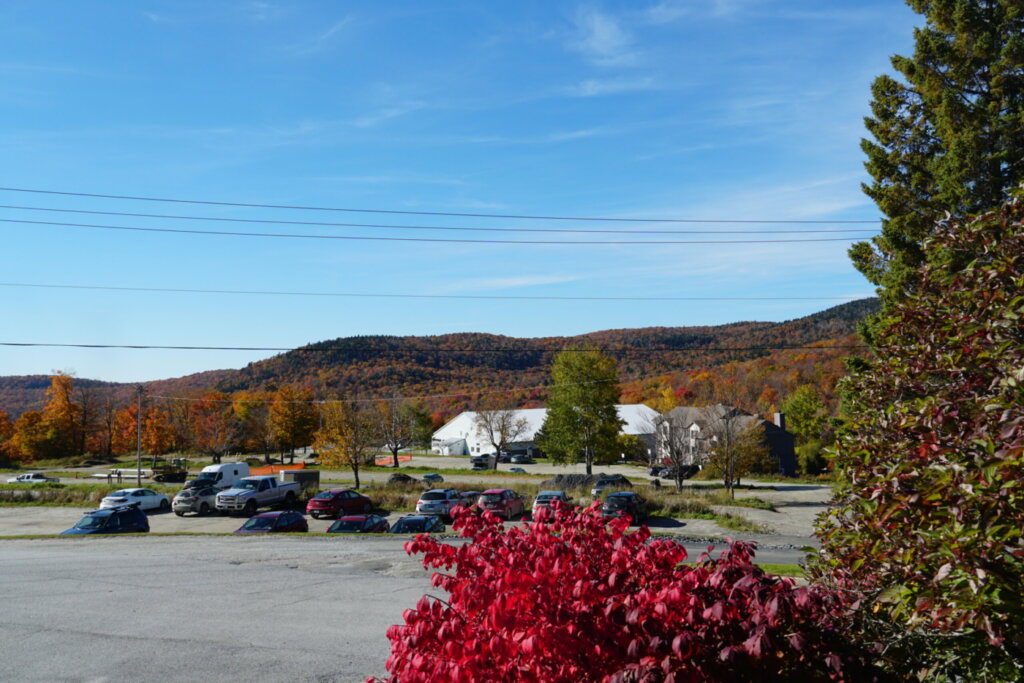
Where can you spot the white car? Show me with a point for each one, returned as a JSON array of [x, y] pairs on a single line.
[[32, 478], [147, 500]]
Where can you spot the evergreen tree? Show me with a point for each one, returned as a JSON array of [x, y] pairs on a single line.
[[948, 136], [582, 424]]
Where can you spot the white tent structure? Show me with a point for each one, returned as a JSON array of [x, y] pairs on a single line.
[[460, 436]]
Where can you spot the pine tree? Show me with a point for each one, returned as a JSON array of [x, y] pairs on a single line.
[[949, 136]]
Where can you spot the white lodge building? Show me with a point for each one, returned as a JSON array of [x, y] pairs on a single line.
[[460, 437]]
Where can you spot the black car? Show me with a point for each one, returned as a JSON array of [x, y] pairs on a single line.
[[686, 471], [418, 524], [624, 503], [200, 483], [521, 459], [399, 478], [505, 458], [126, 519]]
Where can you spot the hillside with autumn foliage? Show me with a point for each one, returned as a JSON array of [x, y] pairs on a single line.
[[272, 404], [450, 371]]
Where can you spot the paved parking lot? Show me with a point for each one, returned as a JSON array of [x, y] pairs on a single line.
[[201, 608]]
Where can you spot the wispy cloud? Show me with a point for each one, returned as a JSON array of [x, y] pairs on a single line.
[[667, 12], [322, 40], [393, 180], [596, 87], [260, 10], [386, 114], [157, 18], [602, 40], [500, 283]]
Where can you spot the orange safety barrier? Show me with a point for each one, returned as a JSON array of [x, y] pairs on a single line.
[[274, 469], [384, 460]]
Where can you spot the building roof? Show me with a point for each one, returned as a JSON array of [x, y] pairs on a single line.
[[638, 418]]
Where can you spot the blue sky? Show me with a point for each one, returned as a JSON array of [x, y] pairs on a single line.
[[696, 109]]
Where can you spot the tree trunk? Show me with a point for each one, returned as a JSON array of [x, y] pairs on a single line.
[[355, 472], [394, 456]]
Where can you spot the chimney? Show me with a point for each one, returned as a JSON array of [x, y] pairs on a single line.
[[780, 420]]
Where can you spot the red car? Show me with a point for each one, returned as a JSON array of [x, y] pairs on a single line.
[[274, 522], [360, 524], [502, 502], [336, 502]]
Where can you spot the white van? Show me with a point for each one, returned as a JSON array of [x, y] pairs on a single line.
[[225, 475]]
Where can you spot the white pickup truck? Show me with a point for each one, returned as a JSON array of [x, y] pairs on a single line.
[[251, 493], [32, 478]]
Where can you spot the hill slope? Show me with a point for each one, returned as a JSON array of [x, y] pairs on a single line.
[[466, 363]]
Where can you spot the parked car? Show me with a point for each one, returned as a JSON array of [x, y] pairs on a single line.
[[199, 483], [521, 459], [439, 502], [624, 503], [687, 471], [502, 502], [609, 481], [280, 521], [359, 524], [505, 458], [547, 499], [432, 478], [201, 500], [124, 519], [517, 470], [144, 498], [252, 493], [418, 524], [32, 478], [399, 478], [483, 462], [336, 502]]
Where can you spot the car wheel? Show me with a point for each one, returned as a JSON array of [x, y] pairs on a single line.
[[314, 515], [180, 514], [289, 500], [204, 509], [250, 508], [367, 508], [164, 505]]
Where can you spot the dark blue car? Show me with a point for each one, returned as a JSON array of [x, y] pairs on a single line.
[[126, 519]]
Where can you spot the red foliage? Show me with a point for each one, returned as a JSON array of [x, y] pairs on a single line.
[[569, 597]]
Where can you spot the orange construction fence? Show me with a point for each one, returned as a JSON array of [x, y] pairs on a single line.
[[383, 460], [274, 469]]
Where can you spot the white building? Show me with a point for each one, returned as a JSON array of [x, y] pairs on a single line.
[[460, 436]]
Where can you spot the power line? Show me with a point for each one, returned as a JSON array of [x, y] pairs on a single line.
[[433, 213], [320, 349], [180, 290], [414, 239], [222, 219]]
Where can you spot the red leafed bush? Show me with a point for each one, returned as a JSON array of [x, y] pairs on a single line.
[[569, 597]]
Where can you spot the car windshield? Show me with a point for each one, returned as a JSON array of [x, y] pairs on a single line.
[[433, 495], [325, 495], [617, 502], [119, 494], [411, 526], [259, 523], [546, 499], [247, 484], [347, 525], [490, 498], [92, 522]]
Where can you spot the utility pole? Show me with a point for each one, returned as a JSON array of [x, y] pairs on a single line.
[[138, 436]]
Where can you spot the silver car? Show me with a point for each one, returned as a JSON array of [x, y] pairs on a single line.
[[199, 500]]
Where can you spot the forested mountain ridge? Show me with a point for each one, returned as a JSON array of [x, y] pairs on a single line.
[[455, 367], [368, 366]]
